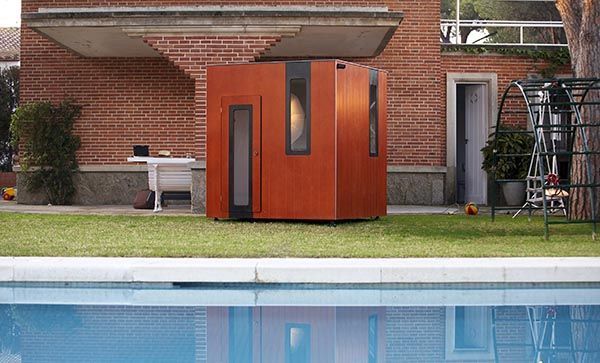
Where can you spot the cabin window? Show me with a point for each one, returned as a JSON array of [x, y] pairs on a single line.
[[373, 114], [372, 339], [240, 334], [297, 343], [297, 120]]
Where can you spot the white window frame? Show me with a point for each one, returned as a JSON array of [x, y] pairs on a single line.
[[476, 355]]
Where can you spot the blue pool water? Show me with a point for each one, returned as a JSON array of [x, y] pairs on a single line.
[[299, 323]]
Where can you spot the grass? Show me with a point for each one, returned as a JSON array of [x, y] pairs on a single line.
[[394, 236]]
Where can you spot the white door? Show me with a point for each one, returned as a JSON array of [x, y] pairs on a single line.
[[476, 133]]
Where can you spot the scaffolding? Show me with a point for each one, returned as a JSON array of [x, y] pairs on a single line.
[[556, 112]]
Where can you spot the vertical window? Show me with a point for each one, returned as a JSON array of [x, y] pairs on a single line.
[[240, 335], [469, 333], [373, 114], [372, 339], [470, 328], [241, 155], [297, 343], [297, 119]]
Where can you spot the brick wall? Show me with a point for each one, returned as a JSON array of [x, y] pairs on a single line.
[[125, 101], [507, 69], [113, 334]]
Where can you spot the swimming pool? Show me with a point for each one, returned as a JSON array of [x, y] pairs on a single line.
[[290, 323]]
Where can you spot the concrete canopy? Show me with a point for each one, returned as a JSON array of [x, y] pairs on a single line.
[[306, 31]]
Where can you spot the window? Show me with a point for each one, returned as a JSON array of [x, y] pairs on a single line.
[[372, 339], [297, 119], [373, 114], [468, 333], [297, 343], [240, 335]]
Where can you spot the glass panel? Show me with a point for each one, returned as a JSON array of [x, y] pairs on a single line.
[[240, 335], [470, 328], [297, 347], [373, 113], [298, 129], [373, 339], [241, 157]]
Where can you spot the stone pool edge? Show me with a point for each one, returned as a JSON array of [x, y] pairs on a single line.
[[301, 270]]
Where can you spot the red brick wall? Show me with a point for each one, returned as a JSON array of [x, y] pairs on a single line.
[[125, 101], [507, 68], [412, 59]]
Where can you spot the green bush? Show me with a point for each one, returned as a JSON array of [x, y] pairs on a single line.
[[9, 98], [47, 146], [508, 167]]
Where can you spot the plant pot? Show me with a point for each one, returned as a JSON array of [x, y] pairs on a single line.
[[514, 193]]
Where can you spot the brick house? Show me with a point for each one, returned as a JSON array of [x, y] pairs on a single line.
[[138, 69]]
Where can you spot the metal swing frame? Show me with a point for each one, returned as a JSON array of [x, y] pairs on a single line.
[[553, 108]]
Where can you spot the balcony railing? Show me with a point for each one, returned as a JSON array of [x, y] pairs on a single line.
[[487, 26]]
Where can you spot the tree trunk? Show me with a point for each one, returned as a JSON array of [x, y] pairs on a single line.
[[585, 331], [581, 20]]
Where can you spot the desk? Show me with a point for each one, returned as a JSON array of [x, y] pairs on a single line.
[[166, 175]]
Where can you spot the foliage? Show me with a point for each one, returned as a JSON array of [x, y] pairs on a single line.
[[505, 10], [508, 167], [44, 133], [9, 99], [190, 236]]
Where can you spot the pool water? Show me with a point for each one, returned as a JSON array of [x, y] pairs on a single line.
[[299, 323]]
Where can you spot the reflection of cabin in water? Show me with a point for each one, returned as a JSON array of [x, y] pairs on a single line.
[[296, 140], [294, 334]]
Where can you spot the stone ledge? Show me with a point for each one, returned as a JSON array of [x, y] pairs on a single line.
[[301, 270]]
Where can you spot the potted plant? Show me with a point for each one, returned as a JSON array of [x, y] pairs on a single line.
[[509, 167]]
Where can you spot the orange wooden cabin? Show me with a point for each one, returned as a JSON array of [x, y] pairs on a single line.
[[296, 140]]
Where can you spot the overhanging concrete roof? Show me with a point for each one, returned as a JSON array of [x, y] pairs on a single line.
[[306, 31]]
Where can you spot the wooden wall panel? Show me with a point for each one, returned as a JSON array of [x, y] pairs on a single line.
[[357, 178]]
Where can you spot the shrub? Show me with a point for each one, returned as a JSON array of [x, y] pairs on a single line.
[[9, 98], [508, 167], [47, 145]]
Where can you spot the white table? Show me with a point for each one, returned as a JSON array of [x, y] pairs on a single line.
[[166, 175]]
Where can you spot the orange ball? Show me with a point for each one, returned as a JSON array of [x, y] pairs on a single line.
[[471, 209]]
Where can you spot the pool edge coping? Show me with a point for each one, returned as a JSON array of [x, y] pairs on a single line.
[[301, 270]]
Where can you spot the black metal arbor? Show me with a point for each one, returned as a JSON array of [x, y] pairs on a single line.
[[556, 115]]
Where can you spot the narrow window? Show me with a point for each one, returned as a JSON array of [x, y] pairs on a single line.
[[240, 334], [372, 339], [373, 114], [297, 119], [297, 343]]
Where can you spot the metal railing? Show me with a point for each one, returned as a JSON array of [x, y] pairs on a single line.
[[487, 24]]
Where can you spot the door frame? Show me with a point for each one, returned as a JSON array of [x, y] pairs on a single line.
[[490, 80]]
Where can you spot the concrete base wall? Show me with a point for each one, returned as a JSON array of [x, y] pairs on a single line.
[[93, 188], [405, 188], [120, 187]]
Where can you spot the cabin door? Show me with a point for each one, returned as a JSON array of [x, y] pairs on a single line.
[[241, 174]]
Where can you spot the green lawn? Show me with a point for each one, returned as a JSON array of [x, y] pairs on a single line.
[[396, 236]]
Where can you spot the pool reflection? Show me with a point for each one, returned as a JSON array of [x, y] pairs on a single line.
[[297, 334]]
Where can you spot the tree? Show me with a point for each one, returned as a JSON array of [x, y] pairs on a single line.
[[503, 10], [580, 18], [9, 98]]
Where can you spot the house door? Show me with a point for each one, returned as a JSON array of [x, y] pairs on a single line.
[[472, 133], [241, 177]]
